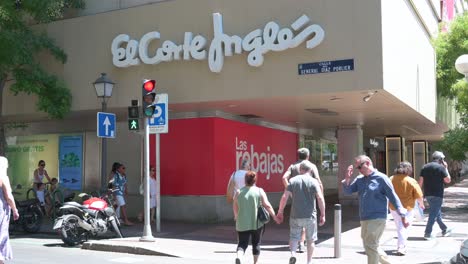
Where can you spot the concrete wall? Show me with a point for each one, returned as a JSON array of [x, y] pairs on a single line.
[[408, 58], [210, 209], [95, 7], [87, 41], [426, 12]]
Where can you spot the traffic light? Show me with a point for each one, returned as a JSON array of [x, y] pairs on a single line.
[[133, 116], [149, 96], [133, 111], [133, 124]]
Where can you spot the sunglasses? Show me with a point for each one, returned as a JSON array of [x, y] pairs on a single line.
[[42, 165], [153, 170], [360, 165]]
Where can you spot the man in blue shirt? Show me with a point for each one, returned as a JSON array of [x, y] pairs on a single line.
[[375, 190]]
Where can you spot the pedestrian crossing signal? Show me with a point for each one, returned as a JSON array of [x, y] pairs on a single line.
[[133, 124]]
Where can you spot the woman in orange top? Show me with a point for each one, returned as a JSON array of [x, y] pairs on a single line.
[[408, 191]]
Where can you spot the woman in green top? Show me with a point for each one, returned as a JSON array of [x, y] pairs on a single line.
[[246, 202]]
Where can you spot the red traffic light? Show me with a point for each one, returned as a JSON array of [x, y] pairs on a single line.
[[149, 85]]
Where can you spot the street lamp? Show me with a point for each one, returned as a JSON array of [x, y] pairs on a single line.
[[103, 86], [461, 64]]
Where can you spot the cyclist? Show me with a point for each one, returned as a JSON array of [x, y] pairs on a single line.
[[39, 186]]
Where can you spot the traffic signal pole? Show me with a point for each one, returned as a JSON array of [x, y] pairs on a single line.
[[147, 234], [149, 101], [158, 188]]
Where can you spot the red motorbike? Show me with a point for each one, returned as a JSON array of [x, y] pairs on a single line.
[[94, 217]]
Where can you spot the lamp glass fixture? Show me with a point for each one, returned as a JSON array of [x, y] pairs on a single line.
[[461, 64], [103, 86]]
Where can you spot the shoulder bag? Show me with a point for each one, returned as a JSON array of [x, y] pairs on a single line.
[[262, 214]]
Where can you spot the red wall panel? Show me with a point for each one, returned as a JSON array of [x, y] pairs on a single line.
[[198, 155]]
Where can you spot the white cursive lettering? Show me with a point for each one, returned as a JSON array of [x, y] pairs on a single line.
[[257, 43]]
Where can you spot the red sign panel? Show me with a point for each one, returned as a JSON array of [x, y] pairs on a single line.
[[199, 155]]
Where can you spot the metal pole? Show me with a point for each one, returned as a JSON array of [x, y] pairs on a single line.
[[158, 193], [104, 155], [337, 231], [147, 234]]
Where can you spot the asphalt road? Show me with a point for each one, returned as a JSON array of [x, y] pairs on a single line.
[[44, 249]]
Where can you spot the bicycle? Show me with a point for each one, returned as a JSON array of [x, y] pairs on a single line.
[[54, 200]]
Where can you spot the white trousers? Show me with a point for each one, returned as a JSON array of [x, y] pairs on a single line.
[[401, 230]]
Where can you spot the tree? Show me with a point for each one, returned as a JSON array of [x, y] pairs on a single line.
[[449, 46], [19, 46], [451, 84]]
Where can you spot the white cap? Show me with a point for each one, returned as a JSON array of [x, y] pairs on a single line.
[[438, 155], [464, 248]]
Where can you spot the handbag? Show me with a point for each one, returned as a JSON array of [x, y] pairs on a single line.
[[262, 214], [141, 189]]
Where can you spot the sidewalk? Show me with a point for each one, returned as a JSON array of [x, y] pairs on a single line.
[[218, 242]]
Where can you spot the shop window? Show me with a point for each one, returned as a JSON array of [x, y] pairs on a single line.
[[419, 157], [324, 155], [393, 147]]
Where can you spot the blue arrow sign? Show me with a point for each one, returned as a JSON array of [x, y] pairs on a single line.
[[106, 125]]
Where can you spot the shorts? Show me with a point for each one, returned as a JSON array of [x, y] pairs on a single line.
[[297, 224], [153, 201], [120, 200]]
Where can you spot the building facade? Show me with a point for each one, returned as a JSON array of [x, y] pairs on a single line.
[[245, 79]]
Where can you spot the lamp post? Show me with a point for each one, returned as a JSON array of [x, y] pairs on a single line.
[[461, 64], [103, 86]]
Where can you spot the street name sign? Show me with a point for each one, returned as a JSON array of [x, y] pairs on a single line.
[[326, 67]]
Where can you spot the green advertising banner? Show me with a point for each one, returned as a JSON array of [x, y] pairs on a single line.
[[24, 153]]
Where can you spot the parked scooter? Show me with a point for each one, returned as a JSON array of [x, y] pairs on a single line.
[[30, 214], [94, 217]]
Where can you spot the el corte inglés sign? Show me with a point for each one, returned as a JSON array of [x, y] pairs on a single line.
[[129, 52]]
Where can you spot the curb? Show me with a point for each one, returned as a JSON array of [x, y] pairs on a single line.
[[123, 249]]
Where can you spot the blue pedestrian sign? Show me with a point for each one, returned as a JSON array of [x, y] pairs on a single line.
[[106, 125], [158, 123]]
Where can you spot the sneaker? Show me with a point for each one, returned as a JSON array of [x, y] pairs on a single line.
[[238, 261], [401, 252], [428, 237], [292, 260], [300, 248], [447, 232]]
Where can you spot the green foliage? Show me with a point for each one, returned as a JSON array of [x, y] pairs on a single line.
[[20, 46], [455, 143], [451, 84], [449, 46]]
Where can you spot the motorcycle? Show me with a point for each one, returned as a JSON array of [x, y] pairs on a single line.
[[94, 217], [30, 214]]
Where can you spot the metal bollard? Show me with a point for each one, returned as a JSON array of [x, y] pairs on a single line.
[[337, 231]]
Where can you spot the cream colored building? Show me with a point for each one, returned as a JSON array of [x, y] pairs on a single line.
[[387, 42]]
